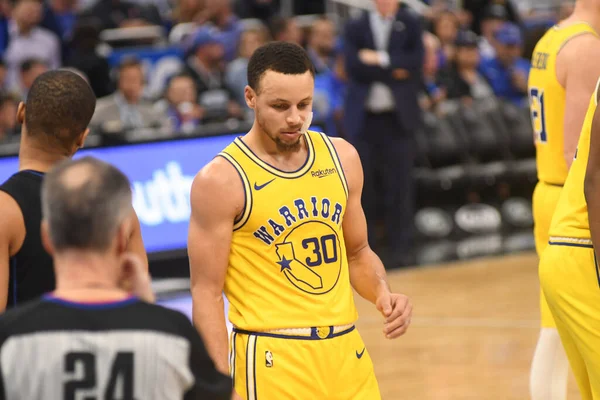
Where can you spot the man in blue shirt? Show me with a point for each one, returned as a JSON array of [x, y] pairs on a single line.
[[507, 72]]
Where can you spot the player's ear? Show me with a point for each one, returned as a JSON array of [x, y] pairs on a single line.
[[81, 140], [46, 242], [250, 96], [21, 113]]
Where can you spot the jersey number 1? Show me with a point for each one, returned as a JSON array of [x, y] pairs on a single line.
[[538, 115], [83, 365]]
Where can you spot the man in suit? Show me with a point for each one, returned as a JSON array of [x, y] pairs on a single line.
[[125, 109], [384, 59]]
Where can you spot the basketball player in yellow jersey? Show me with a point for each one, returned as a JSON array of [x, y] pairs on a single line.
[[569, 272], [277, 224], [562, 78]]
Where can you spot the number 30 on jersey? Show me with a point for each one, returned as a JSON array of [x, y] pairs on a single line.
[[538, 117]]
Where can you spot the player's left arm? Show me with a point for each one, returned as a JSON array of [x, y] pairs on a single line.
[[591, 186], [581, 73], [367, 273], [136, 243]]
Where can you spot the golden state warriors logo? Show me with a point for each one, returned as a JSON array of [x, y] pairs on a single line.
[[310, 257]]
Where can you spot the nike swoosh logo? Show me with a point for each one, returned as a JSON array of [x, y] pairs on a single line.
[[259, 187], [359, 355]]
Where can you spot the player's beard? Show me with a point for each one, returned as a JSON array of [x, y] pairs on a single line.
[[283, 147]]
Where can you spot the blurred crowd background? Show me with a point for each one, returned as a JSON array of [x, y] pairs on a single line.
[[170, 68]]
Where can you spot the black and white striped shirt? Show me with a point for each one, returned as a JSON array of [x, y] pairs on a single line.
[[126, 350]]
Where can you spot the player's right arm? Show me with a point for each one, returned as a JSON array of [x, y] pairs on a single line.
[[12, 234], [581, 71], [591, 186], [217, 197]]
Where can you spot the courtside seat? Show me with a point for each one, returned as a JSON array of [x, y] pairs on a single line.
[[520, 130], [439, 164], [485, 138]]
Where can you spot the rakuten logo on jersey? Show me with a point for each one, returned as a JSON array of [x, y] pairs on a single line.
[[165, 198]]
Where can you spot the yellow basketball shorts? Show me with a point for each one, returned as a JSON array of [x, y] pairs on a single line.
[[545, 198], [325, 364], [570, 280]]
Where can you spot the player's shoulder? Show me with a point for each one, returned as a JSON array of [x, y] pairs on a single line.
[[24, 318], [584, 45], [345, 150], [12, 221], [219, 176]]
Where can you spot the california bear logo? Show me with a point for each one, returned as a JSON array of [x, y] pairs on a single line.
[[311, 257]]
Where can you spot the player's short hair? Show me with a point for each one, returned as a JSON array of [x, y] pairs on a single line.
[[84, 201], [59, 107], [283, 57]]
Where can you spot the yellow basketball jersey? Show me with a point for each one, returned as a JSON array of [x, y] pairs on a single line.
[[287, 264], [547, 102], [570, 219]]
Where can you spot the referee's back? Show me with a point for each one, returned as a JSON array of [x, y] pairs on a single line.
[[98, 335], [126, 350]]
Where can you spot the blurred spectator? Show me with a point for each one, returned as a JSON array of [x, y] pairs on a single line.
[[461, 79], [261, 9], [220, 14], [321, 42], [236, 74], [205, 65], [446, 28], [180, 104], [59, 17], [507, 73], [8, 116], [186, 11], [30, 70], [111, 14], [434, 91], [383, 50], [28, 40], [84, 57], [328, 101], [126, 109], [305, 7], [478, 8], [3, 73], [492, 19], [286, 30]]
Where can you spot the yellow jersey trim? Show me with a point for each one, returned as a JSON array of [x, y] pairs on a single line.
[[247, 191], [336, 161], [570, 241], [310, 159], [596, 92]]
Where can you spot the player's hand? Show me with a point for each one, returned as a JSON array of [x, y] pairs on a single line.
[[400, 74], [236, 396], [397, 311], [369, 57], [135, 278]]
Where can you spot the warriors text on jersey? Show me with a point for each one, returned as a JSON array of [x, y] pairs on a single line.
[[571, 216], [547, 101], [287, 265]]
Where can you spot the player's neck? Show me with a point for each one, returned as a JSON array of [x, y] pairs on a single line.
[[86, 276], [583, 12], [33, 156], [263, 146]]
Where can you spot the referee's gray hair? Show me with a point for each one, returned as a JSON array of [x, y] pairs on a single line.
[[84, 201]]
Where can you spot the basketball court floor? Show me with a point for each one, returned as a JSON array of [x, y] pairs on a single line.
[[474, 329]]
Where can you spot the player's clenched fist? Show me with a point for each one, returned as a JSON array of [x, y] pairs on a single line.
[[397, 311]]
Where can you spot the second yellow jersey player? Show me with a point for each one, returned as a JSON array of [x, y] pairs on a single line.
[[548, 101], [569, 272]]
